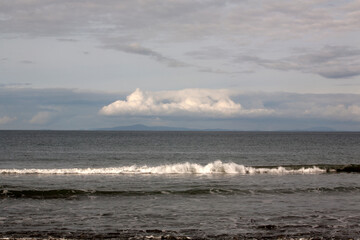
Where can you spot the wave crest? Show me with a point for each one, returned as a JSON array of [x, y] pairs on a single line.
[[216, 167]]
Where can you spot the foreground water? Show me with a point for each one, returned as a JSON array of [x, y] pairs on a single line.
[[179, 184]]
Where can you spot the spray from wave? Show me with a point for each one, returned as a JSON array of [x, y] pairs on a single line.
[[216, 167]]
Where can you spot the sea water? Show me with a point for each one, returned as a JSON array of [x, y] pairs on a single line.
[[199, 185]]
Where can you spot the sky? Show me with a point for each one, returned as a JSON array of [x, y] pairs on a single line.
[[242, 65]]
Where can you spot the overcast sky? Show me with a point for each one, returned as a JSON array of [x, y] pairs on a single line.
[[245, 65]]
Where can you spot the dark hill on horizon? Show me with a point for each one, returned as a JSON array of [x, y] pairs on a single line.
[[141, 127]]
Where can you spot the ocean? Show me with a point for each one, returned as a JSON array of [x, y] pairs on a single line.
[[179, 185]]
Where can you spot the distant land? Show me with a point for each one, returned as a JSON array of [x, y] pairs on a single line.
[[141, 127], [318, 129]]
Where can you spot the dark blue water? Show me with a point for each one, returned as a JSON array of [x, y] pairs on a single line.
[[179, 184]]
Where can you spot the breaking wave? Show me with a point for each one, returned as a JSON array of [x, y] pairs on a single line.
[[216, 167]]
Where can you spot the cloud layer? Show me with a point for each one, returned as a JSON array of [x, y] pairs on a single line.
[[25, 108], [280, 19], [169, 31], [329, 62]]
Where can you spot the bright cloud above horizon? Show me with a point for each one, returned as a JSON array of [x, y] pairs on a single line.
[[195, 103], [187, 102], [243, 64]]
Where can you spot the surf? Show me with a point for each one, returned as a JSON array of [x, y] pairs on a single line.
[[216, 167]]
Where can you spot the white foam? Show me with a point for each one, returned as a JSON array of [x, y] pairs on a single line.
[[216, 167]]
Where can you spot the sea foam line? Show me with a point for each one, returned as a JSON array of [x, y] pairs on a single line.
[[216, 167]]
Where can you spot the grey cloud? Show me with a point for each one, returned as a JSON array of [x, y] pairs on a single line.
[[208, 52], [67, 40], [58, 17], [329, 108], [178, 19], [170, 62], [329, 62], [291, 19], [135, 48], [14, 85], [26, 62], [341, 73], [52, 108], [167, 22], [221, 71], [213, 70]]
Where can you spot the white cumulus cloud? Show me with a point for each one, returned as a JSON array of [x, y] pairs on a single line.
[[6, 119], [187, 102], [41, 118]]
